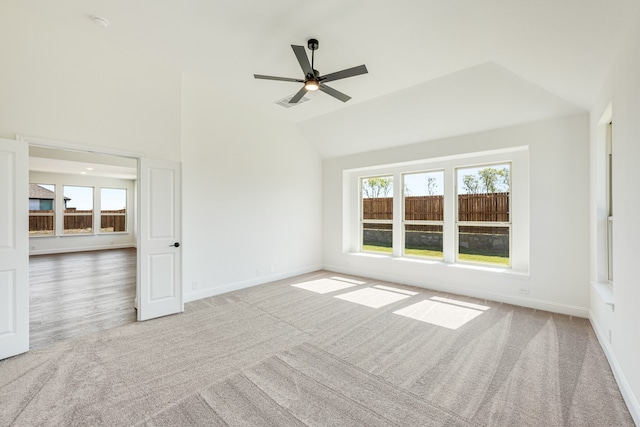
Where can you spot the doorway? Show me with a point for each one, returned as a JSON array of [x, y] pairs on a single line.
[[83, 261], [157, 234]]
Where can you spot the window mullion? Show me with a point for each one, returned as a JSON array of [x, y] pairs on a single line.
[[450, 241], [398, 213]]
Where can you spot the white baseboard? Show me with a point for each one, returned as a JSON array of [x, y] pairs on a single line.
[[625, 389], [519, 301], [230, 287], [81, 249]]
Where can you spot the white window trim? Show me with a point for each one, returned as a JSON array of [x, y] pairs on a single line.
[[482, 223], [418, 222], [519, 242], [373, 221]]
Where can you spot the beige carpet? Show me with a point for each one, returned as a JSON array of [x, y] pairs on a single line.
[[323, 349]]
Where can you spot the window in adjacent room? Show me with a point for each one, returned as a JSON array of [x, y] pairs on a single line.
[[376, 219], [42, 205], [483, 220], [423, 218], [113, 210], [78, 210]]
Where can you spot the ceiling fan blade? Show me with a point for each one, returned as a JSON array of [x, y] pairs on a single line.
[[283, 79], [303, 59], [336, 94], [349, 72], [298, 96]]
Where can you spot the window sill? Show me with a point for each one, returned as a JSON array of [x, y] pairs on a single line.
[[475, 267], [605, 290], [113, 233]]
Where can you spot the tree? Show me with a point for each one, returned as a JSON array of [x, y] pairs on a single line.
[[471, 184], [377, 187], [504, 174], [492, 180], [431, 185], [489, 179]]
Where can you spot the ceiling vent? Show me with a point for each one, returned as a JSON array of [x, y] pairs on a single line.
[[284, 102]]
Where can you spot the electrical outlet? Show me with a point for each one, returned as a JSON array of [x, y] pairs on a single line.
[[610, 337], [33, 247], [194, 286], [524, 290]]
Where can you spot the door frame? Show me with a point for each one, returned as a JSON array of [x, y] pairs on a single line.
[[64, 145]]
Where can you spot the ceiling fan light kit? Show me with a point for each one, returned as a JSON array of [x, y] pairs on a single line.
[[312, 79]]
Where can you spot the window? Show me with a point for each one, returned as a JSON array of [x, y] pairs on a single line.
[[483, 220], [377, 214], [423, 214], [113, 210], [609, 168], [42, 209], [453, 209], [78, 212]]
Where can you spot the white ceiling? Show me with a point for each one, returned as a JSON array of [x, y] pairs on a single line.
[[436, 68], [80, 163]]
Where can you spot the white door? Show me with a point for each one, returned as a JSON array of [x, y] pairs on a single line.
[[159, 260], [14, 248]]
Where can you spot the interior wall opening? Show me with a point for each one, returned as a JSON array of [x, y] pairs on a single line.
[[82, 241]]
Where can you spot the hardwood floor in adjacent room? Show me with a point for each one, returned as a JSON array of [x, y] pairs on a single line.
[[75, 294]]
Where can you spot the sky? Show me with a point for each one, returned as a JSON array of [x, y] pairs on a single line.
[[416, 183]]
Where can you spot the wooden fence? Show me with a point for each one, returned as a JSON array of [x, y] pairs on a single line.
[[491, 207], [110, 220]]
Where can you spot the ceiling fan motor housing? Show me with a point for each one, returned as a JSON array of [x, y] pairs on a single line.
[[312, 44]]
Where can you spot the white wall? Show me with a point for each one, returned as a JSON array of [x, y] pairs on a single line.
[[252, 185], [252, 195], [59, 83], [559, 188], [622, 91], [73, 243]]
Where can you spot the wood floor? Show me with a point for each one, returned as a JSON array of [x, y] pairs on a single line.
[[76, 294]]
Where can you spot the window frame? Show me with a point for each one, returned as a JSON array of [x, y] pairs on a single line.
[[481, 224], [66, 214], [609, 201], [406, 222], [124, 214], [51, 214], [519, 240], [374, 221]]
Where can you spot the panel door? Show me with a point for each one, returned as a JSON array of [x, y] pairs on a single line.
[[159, 251], [14, 248]]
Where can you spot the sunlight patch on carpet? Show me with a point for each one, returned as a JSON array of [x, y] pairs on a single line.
[[371, 297], [445, 314], [390, 288], [324, 286]]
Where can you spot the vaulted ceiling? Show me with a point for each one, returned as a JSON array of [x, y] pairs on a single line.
[[436, 68]]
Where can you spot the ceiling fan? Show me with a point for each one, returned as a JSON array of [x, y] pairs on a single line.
[[312, 78]]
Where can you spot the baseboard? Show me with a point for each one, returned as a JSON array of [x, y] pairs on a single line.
[[625, 389], [230, 287], [81, 249], [519, 301]]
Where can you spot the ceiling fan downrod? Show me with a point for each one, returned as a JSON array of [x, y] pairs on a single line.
[[313, 45]]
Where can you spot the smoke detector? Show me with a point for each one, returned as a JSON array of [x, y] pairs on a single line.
[[99, 21]]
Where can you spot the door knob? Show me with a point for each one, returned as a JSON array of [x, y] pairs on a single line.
[[176, 244]]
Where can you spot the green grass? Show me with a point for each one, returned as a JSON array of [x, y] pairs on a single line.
[[423, 252], [485, 259], [373, 248], [415, 252]]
